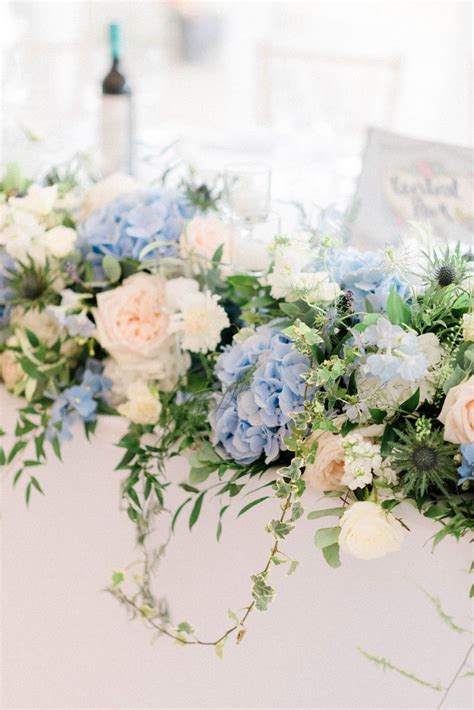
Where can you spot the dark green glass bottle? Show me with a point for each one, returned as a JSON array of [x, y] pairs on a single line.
[[117, 115]]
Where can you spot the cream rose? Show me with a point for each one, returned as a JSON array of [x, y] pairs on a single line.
[[59, 241], [107, 190], [133, 326], [468, 327], [142, 407], [10, 371], [132, 320], [368, 532], [328, 468], [202, 236], [457, 413]]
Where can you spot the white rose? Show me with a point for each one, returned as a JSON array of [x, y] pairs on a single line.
[[60, 241], [107, 190], [142, 407], [468, 327], [368, 532], [177, 289]]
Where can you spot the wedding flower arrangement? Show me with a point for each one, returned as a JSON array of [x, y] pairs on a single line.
[[337, 374]]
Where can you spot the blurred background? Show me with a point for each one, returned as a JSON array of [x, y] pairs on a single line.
[[292, 83]]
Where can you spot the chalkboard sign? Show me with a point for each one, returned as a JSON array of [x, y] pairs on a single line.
[[408, 180]]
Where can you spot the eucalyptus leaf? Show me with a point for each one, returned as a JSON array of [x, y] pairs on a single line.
[[324, 537], [112, 268], [331, 555], [326, 512]]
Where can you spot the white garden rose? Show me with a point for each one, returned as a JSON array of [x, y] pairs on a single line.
[[142, 407], [107, 190], [368, 532], [59, 241]]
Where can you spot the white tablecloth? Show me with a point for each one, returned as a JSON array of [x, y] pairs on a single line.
[[66, 644]]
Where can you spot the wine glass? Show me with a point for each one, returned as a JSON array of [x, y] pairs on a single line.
[[247, 191]]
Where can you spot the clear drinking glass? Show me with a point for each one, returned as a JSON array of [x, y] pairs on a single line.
[[247, 191], [250, 244]]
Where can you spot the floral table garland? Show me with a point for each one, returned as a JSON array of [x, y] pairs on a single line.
[[336, 372]]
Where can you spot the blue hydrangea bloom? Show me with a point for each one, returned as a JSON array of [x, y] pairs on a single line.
[[5, 291], [130, 222], [261, 385], [78, 402], [365, 274], [466, 469]]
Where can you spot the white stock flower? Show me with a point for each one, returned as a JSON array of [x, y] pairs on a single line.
[[141, 407], [200, 322], [59, 241], [362, 460], [38, 200], [21, 236], [368, 532]]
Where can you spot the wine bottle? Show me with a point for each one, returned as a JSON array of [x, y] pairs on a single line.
[[117, 115]]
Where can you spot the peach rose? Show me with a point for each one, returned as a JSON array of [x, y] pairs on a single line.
[[132, 321], [326, 472], [202, 236], [457, 413], [10, 370]]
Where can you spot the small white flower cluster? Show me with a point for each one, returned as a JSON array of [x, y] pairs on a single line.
[[31, 228], [363, 461], [290, 277]]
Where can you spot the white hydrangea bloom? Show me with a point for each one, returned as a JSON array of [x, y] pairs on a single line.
[[290, 278]]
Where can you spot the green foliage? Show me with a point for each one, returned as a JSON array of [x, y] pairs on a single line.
[[398, 312], [262, 593], [112, 268]]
